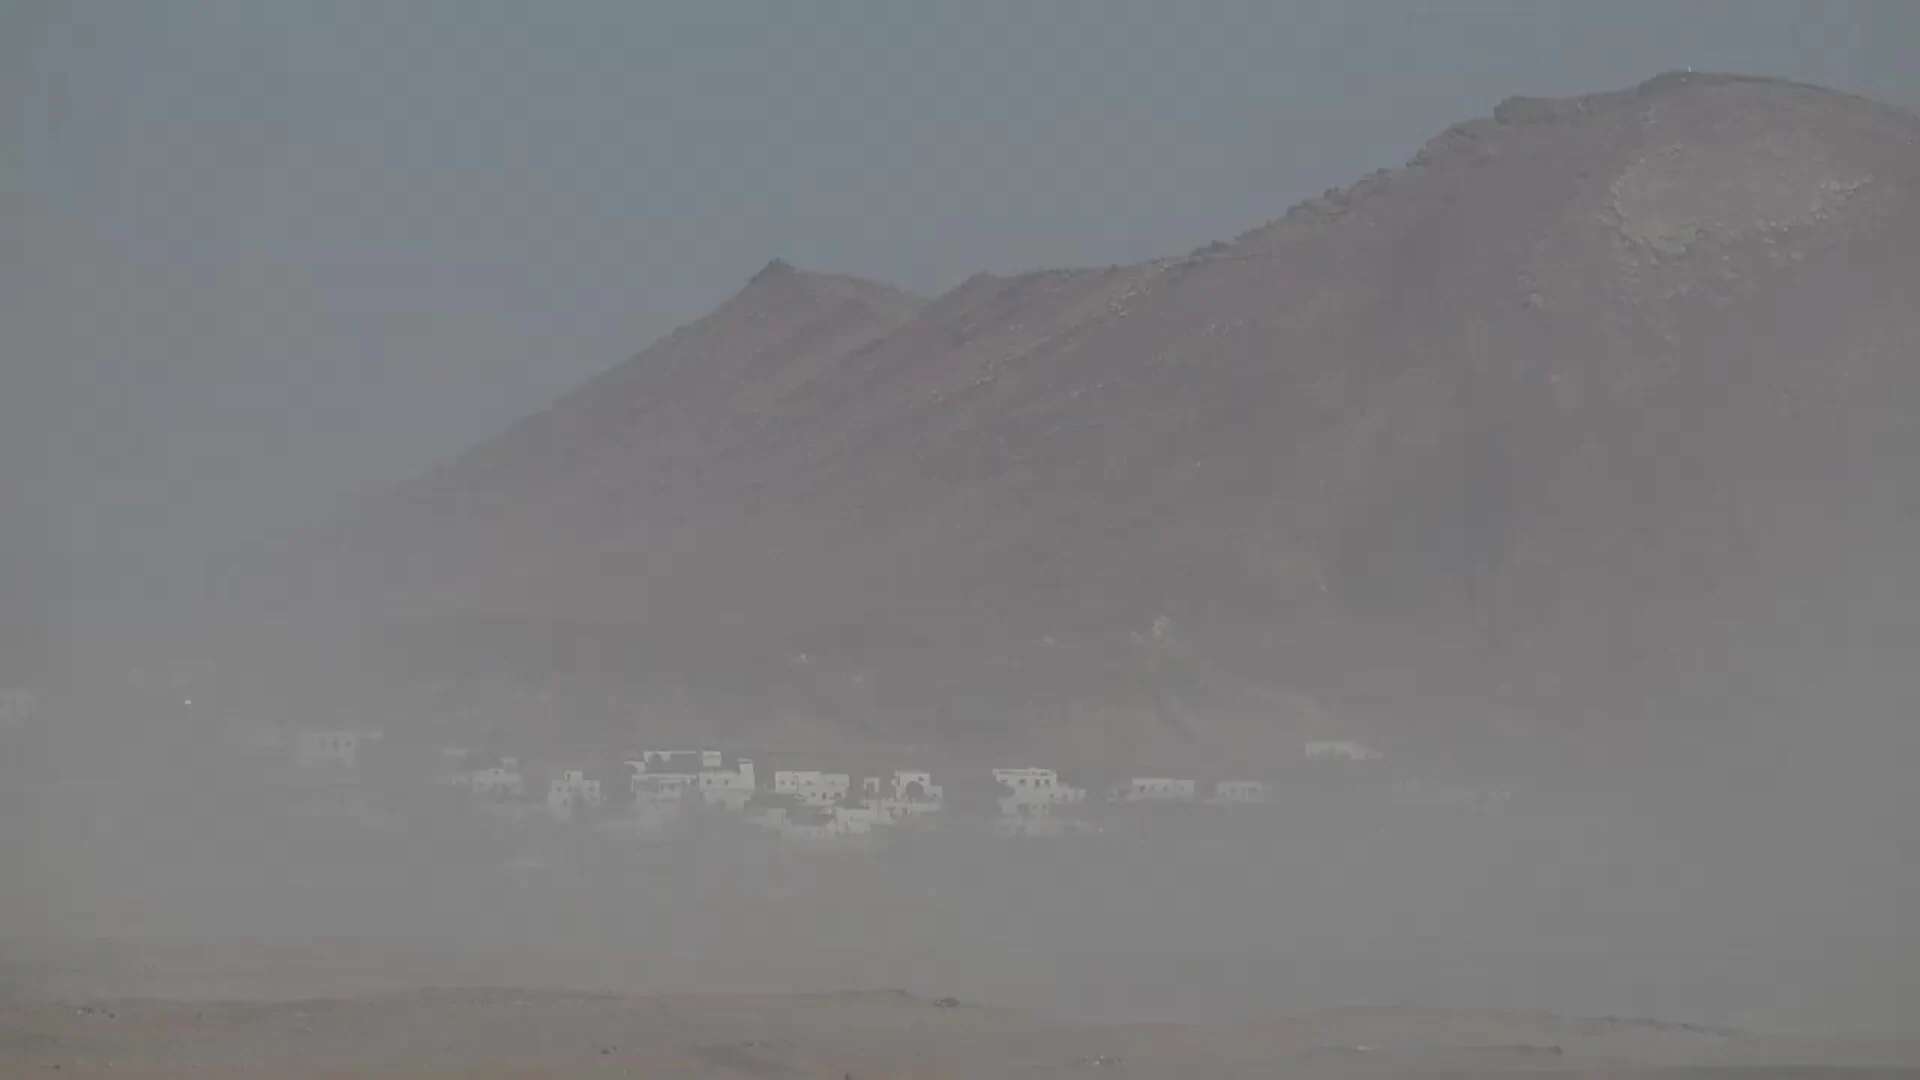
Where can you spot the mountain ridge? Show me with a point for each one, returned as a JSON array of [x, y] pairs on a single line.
[[1477, 445]]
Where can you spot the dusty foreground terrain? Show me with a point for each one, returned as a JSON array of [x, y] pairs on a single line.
[[256, 1016]]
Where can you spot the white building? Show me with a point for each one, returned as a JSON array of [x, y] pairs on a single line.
[[660, 779], [908, 793], [904, 786], [663, 787], [732, 788], [1031, 788], [1045, 782], [331, 748], [571, 790], [811, 787], [1340, 750], [1241, 791], [1155, 789], [1033, 793], [915, 786], [668, 761]]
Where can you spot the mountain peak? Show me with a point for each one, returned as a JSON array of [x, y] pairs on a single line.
[[1667, 84], [780, 284], [776, 268]]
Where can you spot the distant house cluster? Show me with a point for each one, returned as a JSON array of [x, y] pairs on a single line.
[[803, 804]]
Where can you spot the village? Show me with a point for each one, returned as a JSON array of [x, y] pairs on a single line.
[[834, 798], [821, 808]]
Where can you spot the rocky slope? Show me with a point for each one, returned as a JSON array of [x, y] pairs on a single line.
[[1597, 418]]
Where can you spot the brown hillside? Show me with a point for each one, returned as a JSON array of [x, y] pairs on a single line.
[[1598, 417]]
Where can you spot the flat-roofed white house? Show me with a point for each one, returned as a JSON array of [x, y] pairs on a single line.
[[570, 790], [1045, 782], [664, 787], [655, 782], [667, 761], [1242, 791], [916, 786], [732, 788], [811, 787], [1034, 792], [907, 793], [1155, 789]]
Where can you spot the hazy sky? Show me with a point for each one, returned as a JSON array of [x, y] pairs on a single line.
[[260, 256]]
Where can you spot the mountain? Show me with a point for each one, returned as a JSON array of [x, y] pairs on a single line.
[[1596, 423], [629, 454]]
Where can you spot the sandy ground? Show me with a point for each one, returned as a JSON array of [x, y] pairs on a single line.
[[167, 928], [343, 1010]]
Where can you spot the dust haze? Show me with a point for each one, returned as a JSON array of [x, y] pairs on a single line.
[[962, 544]]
